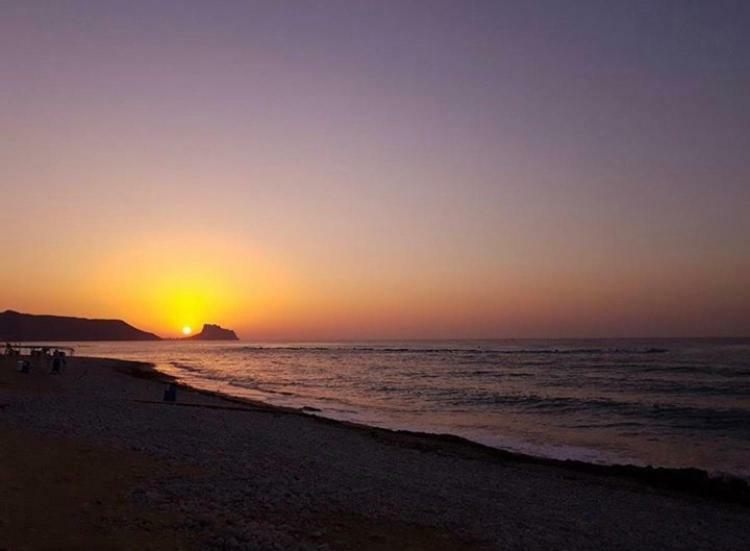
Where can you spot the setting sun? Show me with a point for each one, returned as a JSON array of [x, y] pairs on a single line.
[[186, 330]]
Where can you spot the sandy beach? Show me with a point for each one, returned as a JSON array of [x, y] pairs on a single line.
[[93, 459]]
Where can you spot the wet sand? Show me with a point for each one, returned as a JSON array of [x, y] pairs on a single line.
[[93, 459]]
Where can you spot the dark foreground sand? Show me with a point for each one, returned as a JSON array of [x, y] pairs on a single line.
[[92, 459]]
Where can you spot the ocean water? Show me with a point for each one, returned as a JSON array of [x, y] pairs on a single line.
[[673, 403]]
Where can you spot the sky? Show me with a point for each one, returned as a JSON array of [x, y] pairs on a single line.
[[379, 170]]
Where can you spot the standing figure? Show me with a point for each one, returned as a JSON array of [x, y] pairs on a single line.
[[58, 362]]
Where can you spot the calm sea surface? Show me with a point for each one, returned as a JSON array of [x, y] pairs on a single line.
[[658, 402]]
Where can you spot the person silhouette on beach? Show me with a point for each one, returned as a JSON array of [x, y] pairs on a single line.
[[58, 362]]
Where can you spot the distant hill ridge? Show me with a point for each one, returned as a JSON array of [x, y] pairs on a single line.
[[15, 326]]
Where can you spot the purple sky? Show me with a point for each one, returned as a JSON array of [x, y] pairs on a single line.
[[379, 169]]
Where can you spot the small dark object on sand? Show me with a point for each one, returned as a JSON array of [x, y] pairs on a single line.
[[170, 395]]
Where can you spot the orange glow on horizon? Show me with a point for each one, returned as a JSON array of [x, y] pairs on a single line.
[[168, 284]]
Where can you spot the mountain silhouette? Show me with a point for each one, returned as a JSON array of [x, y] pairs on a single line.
[[214, 333], [15, 326]]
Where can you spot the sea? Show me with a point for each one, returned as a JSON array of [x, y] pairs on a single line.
[[665, 403]]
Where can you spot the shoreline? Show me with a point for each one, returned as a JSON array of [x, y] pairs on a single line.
[[688, 480], [598, 409]]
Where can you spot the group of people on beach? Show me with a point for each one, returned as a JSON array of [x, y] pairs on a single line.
[[49, 356]]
